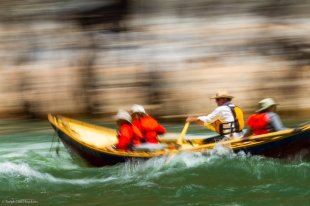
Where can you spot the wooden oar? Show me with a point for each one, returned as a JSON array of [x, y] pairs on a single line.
[[180, 141], [182, 135]]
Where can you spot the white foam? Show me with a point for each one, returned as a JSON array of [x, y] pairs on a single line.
[[220, 150], [156, 167], [24, 170]]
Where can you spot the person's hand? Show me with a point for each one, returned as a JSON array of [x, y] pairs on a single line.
[[173, 146], [191, 119], [111, 148]]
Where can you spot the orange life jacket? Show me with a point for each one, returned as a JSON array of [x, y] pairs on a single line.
[[148, 123], [258, 123], [144, 130], [151, 128]]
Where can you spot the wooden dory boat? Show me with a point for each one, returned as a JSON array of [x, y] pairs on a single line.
[[90, 142]]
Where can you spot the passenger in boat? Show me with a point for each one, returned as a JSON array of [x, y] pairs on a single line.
[[227, 119], [125, 133], [265, 119], [145, 127]]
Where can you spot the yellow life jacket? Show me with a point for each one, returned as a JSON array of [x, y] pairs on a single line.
[[229, 127]]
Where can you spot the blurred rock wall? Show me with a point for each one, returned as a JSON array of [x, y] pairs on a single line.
[[171, 56]]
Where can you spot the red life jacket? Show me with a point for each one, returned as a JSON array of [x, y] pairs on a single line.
[[125, 135], [151, 137], [150, 128], [258, 123], [148, 123]]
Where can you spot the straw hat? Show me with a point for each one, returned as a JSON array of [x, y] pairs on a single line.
[[123, 115], [222, 94], [265, 104], [138, 109]]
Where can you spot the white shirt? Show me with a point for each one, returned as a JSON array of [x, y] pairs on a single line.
[[223, 114]]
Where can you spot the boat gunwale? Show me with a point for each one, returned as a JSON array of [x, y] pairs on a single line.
[[235, 144]]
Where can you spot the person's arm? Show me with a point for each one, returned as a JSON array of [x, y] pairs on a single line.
[[160, 129], [276, 122], [194, 119], [137, 129], [204, 120], [212, 117]]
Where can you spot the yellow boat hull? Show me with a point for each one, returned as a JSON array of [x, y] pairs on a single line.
[[92, 143]]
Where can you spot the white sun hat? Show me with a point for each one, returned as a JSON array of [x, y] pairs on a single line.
[[123, 115], [222, 94], [265, 104], [138, 109]]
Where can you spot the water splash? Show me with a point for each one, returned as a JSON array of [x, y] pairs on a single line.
[[40, 167], [26, 172], [162, 166]]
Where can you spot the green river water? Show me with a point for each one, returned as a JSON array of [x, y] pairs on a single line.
[[31, 173]]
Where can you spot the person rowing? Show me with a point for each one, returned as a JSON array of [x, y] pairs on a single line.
[[226, 119]]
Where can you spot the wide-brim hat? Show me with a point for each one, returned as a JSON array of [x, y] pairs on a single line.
[[138, 109], [222, 94], [265, 104], [123, 115]]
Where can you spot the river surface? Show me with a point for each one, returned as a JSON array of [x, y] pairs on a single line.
[[37, 170]]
